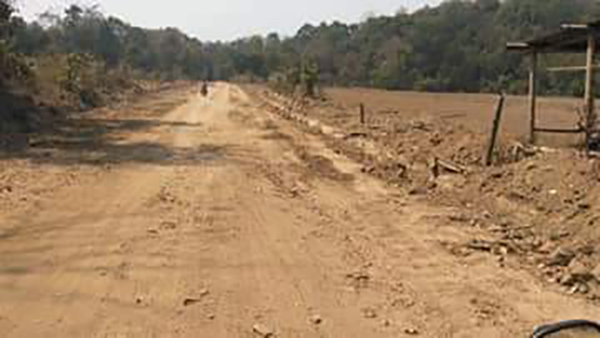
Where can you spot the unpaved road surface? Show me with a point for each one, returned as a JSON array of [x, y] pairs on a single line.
[[221, 220]]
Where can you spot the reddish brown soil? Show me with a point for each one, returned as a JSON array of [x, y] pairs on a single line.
[[533, 207], [190, 216], [472, 111]]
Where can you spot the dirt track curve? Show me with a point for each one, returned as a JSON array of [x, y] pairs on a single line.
[[237, 224]]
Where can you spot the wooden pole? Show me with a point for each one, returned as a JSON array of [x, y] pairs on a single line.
[[362, 114], [570, 69], [495, 128], [533, 96], [589, 90]]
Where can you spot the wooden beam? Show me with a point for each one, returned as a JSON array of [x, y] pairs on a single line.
[[575, 26], [532, 96], [558, 131], [589, 89], [580, 26], [517, 46], [570, 69]]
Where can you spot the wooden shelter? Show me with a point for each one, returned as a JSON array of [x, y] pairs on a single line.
[[571, 38]]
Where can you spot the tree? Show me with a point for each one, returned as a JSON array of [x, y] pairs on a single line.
[[456, 46], [6, 12]]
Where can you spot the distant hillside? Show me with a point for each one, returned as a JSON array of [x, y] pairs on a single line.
[[457, 46]]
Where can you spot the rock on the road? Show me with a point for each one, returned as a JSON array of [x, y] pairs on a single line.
[[263, 331], [316, 319], [561, 257]]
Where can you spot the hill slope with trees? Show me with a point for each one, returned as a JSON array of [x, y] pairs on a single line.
[[455, 47]]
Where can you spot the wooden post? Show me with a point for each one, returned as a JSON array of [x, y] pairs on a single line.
[[589, 90], [362, 114], [495, 128], [533, 96]]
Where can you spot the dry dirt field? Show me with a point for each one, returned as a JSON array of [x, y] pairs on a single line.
[[473, 111], [244, 214], [537, 206]]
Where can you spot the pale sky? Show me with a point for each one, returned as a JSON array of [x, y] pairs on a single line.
[[230, 19]]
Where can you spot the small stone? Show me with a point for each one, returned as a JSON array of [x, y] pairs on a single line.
[[295, 192], [480, 245], [583, 288], [546, 248], [211, 316], [461, 218], [584, 206], [550, 272], [596, 273], [386, 323], [587, 250], [359, 276], [580, 273], [190, 301], [418, 191], [412, 331], [573, 290], [561, 257], [501, 251], [263, 331], [316, 319], [368, 169], [564, 233], [497, 174], [578, 268], [567, 280], [370, 313], [167, 225]]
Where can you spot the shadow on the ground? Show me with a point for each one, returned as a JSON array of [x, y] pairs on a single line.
[[97, 141]]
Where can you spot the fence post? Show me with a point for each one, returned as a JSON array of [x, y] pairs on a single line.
[[362, 114], [495, 128], [533, 96], [589, 92]]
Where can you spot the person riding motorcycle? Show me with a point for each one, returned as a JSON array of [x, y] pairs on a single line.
[[204, 89]]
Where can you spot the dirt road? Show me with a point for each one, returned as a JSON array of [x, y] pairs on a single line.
[[220, 220]]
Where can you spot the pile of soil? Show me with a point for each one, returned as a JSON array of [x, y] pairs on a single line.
[[539, 206], [23, 117]]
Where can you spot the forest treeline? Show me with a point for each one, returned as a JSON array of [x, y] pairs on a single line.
[[458, 46]]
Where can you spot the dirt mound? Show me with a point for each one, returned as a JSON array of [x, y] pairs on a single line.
[[20, 113]]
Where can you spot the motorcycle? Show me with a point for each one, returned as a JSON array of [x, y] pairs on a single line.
[[569, 329], [204, 89]]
